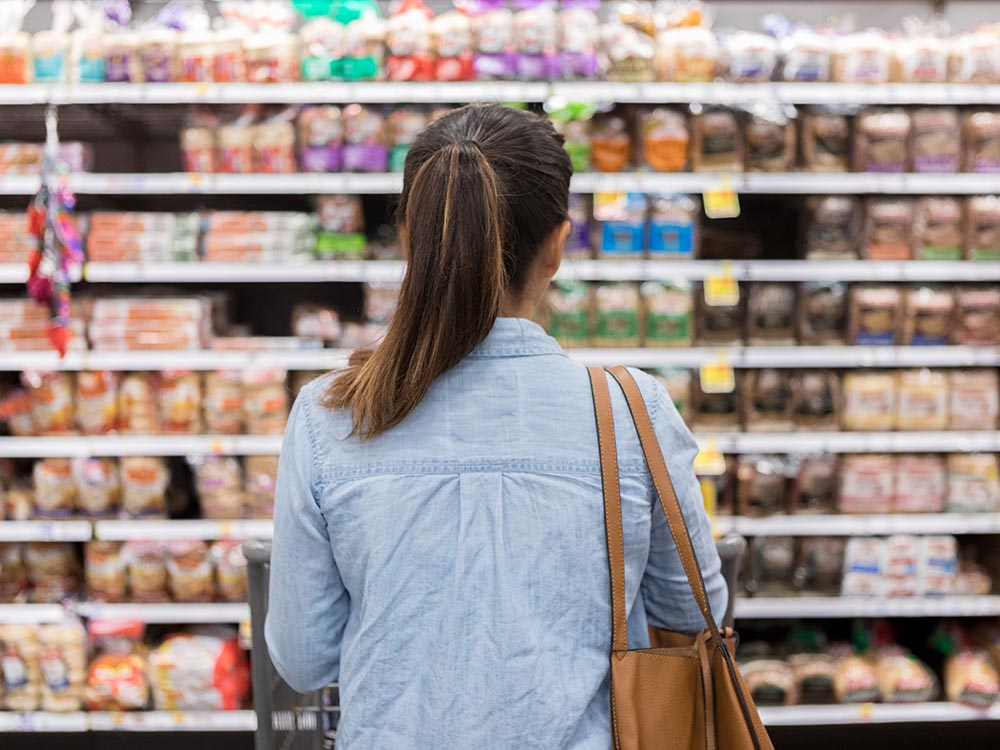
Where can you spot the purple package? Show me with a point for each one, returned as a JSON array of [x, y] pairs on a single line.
[[118, 64], [536, 36], [579, 38], [537, 67], [500, 66], [363, 158], [321, 159], [578, 64], [578, 240]]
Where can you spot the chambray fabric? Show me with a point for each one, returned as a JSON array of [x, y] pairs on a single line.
[[452, 573]]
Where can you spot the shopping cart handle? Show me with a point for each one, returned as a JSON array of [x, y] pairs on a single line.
[[257, 551]]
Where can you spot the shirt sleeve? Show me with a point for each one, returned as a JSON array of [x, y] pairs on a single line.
[[670, 604], [308, 604]]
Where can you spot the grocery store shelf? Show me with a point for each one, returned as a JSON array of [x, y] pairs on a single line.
[[371, 271], [872, 713], [184, 529], [166, 613], [285, 359], [13, 273], [172, 721], [139, 445], [45, 531], [458, 92], [43, 721], [31, 614], [765, 608], [852, 525]]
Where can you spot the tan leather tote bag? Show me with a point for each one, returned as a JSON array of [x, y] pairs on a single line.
[[685, 692]]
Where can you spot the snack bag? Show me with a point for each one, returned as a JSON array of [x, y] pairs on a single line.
[[137, 404], [616, 322], [921, 484], [569, 319], [816, 400], [50, 48], [973, 483], [223, 402], [495, 55], [667, 312], [321, 139], [610, 143], [408, 42], [875, 315], [666, 140], [771, 314], [974, 401], [364, 51], [977, 319], [158, 54], [536, 29], [323, 46], [453, 44], [623, 223], [273, 148], [87, 44], [832, 226], [922, 400], [629, 52], [937, 140], [144, 487], [98, 487], [53, 570], [364, 140], [579, 39], [867, 485], [265, 401], [971, 679], [404, 125], [903, 678], [938, 230], [770, 141], [687, 54], [766, 397], [921, 57], [55, 490], [673, 227], [342, 227]]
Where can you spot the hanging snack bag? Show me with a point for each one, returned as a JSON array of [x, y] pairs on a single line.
[[881, 141], [408, 42], [717, 145], [144, 487], [623, 223], [673, 227], [867, 485], [98, 487], [939, 229], [453, 43], [922, 400], [495, 56], [826, 141], [977, 319], [616, 320], [569, 316], [974, 402], [973, 483], [869, 401], [364, 140], [982, 240], [930, 312], [771, 314], [536, 36], [610, 143], [321, 139], [822, 312], [579, 39], [816, 400], [766, 397], [667, 314], [937, 140], [832, 227], [982, 141], [666, 140]]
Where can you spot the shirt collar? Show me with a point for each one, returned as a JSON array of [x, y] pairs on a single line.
[[516, 337]]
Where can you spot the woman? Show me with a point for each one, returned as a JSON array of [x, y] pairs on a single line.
[[439, 539]]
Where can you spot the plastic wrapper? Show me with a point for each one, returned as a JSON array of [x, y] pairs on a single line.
[[665, 140], [408, 43], [569, 315], [321, 139], [766, 398], [862, 57], [616, 318], [261, 474], [938, 229], [146, 567], [921, 58], [271, 57], [158, 55], [381, 300], [855, 680], [199, 672], [832, 227], [231, 570], [610, 143], [691, 54], [322, 49], [720, 324], [773, 564], [974, 57], [536, 37], [189, 571], [117, 682], [816, 482], [673, 226], [717, 142], [265, 401], [667, 313], [223, 402], [921, 484], [235, 148], [364, 48], [219, 483], [876, 315], [826, 141], [20, 667], [13, 572], [922, 400], [342, 228], [970, 678], [365, 138], [973, 399], [821, 566], [903, 678], [19, 505], [98, 487], [105, 571], [867, 484], [816, 400], [761, 486], [453, 43], [96, 402], [273, 149], [982, 239], [53, 570], [982, 141], [770, 142], [50, 47], [631, 53], [751, 57], [137, 404], [404, 125], [178, 396], [495, 57], [144, 487], [813, 677], [973, 483], [55, 490], [771, 314], [198, 150], [622, 218], [52, 409], [930, 312], [579, 39], [771, 682], [62, 660], [882, 141], [977, 319], [937, 140], [822, 312], [807, 56], [864, 567]]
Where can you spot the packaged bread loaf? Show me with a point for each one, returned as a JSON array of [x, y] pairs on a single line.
[[813, 674], [973, 400], [977, 316], [178, 395], [687, 54], [761, 486], [260, 474], [920, 58], [881, 141], [875, 315], [117, 682], [666, 139], [19, 503], [888, 229], [772, 564], [750, 56], [937, 140], [96, 402], [52, 411], [146, 568], [144, 484], [864, 565], [821, 316], [862, 57], [816, 480], [616, 317], [833, 225], [137, 404], [821, 565], [13, 572], [667, 312], [62, 659], [189, 571], [921, 484], [717, 144], [805, 55], [610, 143], [938, 229], [53, 570], [223, 402], [55, 490], [569, 315], [982, 240], [673, 227], [766, 397], [219, 483], [105, 571], [982, 141], [21, 670], [973, 483], [826, 141], [922, 400], [720, 323], [971, 679], [903, 678], [265, 401], [771, 314], [770, 141], [206, 671], [231, 570], [855, 680], [867, 483], [929, 315], [974, 57], [98, 487], [816, 400], [771, 682]]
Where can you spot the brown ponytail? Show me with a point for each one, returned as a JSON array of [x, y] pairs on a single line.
[[482, 188]]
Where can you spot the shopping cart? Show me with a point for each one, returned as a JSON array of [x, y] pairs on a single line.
[[287, 720]]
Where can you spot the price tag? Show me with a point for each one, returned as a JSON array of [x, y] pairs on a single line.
[[722, 289], [710, 497], [717, 376], [217, 447], [866, 711], [117, 719], [710, 463], [722, 202], [195, 182], [225, 529], [201, 91]]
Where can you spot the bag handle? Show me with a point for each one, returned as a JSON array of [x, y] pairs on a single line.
[[612, 505]]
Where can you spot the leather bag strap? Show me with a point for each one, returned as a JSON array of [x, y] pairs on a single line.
[[612, 505]]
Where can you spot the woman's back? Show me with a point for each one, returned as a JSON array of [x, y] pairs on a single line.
[[452, 571]]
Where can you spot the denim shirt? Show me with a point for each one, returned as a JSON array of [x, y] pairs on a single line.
[[453, 572]]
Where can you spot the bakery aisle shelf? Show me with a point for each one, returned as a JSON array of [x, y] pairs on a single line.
[[172, 721], [166, 613], [44, 721], [780, 608], [369, 270], [874, 713], [31, 614], [367, 92], [139, 445], [46, 531], [859, 525], [285, 359], [183, 529]]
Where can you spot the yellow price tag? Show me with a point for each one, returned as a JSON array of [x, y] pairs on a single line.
[[722, 289], [225, 529], [217, 447], [245, 634], [866, 711], [722, 202], [717, 376], [195, 180], [710, 463]]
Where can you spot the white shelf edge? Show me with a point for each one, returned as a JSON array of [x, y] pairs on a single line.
[[872, 713], [172, 721], [167, 613], [770, 608], [184, 529], [46, 531], [44, 721], [31, 614], [860, 525], [139, 445]]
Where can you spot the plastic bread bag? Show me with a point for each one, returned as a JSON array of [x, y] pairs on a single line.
[[146, 566], [826, 141], [321, 139], [867, 485], [813, 674], [53, 570], [610, 142], [408, 42], [821, 565], [231, 570], [616, 318], [761, 486], [20, 667], [937, 140], [974, 400], [579, 39], [98, 487], [666, 139], [404, 124], [116, 681], [341, 227], [903, 678], [55, 490], [569, 316], [977, 318], [365, 48], [189, 571], [137, 404], [771, 682], [62, 661], [772, 561], [323, 43], [260, 474], [769, 134], [493, 24], [939, 229], [922, 400], [876, 315], [982, 239], [973, 483], [749, 57], [144, 487], [673, 226], [105, 571], [921, 484], [816, 400], [691, 54], [96, 402], [881, 141], [864, 568], [272, 53], [771, 314], [766, 398], [50, 47], [974, 57], [970, 678], [52, 407], [178, 396], [855, 680], [203, 671], [157, 48], [273, 150], [982, 141], [223, 402], [822, 312], [622, 224], [536, 37], [199, 143], [816, 481], [219, 484], [667, 313], [930, 313], [862, 57], [806, 55], [630, 52], [19, 505], [717, 142], [13, 572], [919, 57], [365, 140]]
